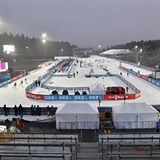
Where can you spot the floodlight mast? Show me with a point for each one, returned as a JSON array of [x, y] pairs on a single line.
[[138, 51], [44, 40]]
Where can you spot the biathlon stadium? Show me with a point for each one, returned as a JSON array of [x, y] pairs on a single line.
[[81, 108]]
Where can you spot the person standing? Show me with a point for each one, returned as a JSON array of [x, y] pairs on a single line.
[[15, 110], [99, 101], [26, 80], [14, 86], [20, 108], [127, 88], [5, 110], [158, 126], [124, 98], [21, 83]]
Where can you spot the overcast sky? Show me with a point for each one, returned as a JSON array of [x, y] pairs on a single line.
[[86, 23]]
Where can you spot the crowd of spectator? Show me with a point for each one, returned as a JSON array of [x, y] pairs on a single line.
[[34, 110], [17, 110]]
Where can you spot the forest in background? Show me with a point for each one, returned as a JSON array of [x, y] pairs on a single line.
[[32, 48]]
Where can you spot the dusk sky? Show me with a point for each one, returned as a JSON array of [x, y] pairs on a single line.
[[86, 23]]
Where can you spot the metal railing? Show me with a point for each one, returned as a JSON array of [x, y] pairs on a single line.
[[126, 147], [40, 146]]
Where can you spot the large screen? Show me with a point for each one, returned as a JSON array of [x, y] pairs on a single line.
[[157, 74], [8, 49], [3, 66]]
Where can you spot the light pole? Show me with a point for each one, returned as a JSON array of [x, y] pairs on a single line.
[[99, 49], [61, 51], [27, 50], [44, 39], [135, 49], [138, 51], [127, 54]]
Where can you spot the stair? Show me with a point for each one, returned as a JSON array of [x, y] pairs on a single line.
[[89, 151]]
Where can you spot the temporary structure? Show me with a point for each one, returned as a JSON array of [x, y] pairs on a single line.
[[134, 115], [116, 52], [77, 116], [97, 88]]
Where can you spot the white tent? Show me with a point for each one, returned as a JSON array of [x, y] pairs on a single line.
[[97, 88], [116, 52], [77, 116], [134, 115]]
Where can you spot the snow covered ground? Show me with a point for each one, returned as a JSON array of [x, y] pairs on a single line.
[[149, 92], [136, 69]]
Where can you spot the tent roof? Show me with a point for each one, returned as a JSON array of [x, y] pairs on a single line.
[[97, 87], [115, 52], [134, 108], [77, 108]]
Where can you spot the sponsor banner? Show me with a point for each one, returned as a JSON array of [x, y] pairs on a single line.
[[158, 84], [73, 97], [118, 96], [137, 95], [35, 96], [133, 72], [5, 83], [17, 77], [153, 81], [142, 76], [126, 69]]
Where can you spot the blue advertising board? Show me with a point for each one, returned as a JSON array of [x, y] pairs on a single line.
[[73, 97], [154, 81], [5, 83]]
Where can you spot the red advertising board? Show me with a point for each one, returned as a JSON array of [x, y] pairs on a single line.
[[16, 77], [35, 96], [118, 96], [143, 77], [137, 95]]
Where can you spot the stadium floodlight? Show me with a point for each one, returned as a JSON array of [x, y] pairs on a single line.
[[61, 52], [43, 40], [44, 35], [136, 47], [99, 46]]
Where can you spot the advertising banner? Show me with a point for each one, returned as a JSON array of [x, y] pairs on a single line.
[[5, 83], [118, 96], [35, 96], [73, 97], [142, 76], [17, 77]]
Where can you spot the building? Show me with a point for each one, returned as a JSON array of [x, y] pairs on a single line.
[[82, 52]]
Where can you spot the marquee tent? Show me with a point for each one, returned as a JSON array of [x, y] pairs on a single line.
[[97, 88], [134, 115], [116, 52], [77, 116]]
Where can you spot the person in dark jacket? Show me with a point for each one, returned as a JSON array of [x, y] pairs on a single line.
[[20, 109], [38, 110], [158, 126], [32, 111], [15, 110], [5, 110]]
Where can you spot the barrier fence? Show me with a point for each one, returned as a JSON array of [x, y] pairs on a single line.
[[89, 97], [11, 80], [39, 146], [151, 80], [134, 124], [126, 147]]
